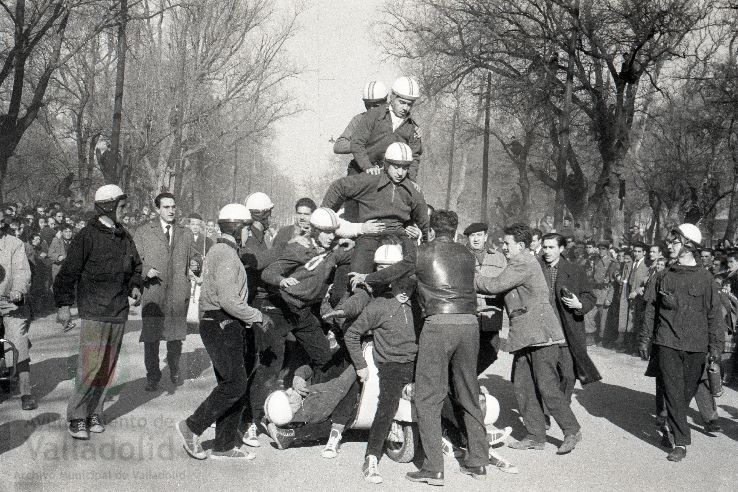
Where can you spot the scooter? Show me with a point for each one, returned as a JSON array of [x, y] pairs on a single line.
[[8, 363], [403, 441]]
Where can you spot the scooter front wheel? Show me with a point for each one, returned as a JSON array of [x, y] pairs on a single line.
[[403, 443]]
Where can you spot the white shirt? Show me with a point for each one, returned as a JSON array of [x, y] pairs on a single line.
[[396, 120]]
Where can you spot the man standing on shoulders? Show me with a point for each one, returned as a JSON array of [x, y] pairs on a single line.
[[165, 250], [373, 95], [449, 339], [682, 318], [534, 339], [103, 268], [384, 125], [570, 293]]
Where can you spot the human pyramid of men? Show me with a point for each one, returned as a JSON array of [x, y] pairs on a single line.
[[388, 266]]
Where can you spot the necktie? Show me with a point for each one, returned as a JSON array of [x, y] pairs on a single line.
[[169, 236]]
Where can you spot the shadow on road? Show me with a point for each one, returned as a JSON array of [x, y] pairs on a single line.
[[132, 394], [15, 433], [47, 374], [626, 408]]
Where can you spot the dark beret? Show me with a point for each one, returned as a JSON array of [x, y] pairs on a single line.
[[475, 227]]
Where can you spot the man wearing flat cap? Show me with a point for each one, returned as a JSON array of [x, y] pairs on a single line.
[[489, 263]]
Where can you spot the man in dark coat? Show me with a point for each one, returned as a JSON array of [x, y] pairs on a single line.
[[101, 271], [165, 250], [570, 293]]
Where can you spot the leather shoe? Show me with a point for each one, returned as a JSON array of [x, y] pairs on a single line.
[[476, 472], [28, 402], [175, 379], [427, 476], [527, 443], [570, 442], [151, 385], [677, 454], [713, 426]]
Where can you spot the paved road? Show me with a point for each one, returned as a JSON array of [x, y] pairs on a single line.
[[139, 450]]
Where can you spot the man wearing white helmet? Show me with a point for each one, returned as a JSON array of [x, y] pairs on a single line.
[[101, 270], [374, 95], [224, 316], [260, 206], [389, 198], [682, 318], [390, 316], [384, 125]]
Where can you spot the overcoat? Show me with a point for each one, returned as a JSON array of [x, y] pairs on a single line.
[[165, 299], [574, 278]]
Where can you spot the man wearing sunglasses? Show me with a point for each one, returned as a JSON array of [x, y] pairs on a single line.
[[682, 318]]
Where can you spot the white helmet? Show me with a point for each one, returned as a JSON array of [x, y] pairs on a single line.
[[277, 408], [491, 408], [406, 88], [108, 193], [324, 219], [234, 212], [399, 153], [259, 201], [388, 254], [374, 91], [690, 232]]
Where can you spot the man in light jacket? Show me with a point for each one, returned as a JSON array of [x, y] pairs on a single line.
[[534, 339]]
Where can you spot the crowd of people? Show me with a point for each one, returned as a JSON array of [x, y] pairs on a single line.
[[283, 313]]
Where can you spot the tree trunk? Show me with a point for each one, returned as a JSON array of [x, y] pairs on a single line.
[[485, 151], [730, 230], [462, 179], [565, 120], [119, 80]]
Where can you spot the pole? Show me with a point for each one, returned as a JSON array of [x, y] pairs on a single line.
[[454, 122], [235, 170], [485, 155]]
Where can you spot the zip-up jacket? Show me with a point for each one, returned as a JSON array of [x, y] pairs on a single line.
[[683, 310], [102, 267], [396, 205], [224, 285]]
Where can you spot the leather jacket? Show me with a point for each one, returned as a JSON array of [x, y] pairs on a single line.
[[445, 272]]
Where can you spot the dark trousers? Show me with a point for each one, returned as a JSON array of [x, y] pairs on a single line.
[[567, 374], [681, 372], [225, 341], [393, 376], [441, 346], [99, 348], [489, 345], [271, 347], [151, 358], [344, 414], [535, 372]]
